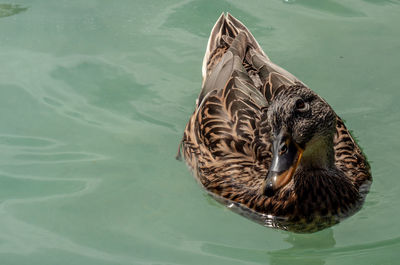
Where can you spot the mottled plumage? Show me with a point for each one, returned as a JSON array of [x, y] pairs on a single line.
[[246, 106]]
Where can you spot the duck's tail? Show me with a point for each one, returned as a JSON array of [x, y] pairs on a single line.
[[222, 34]]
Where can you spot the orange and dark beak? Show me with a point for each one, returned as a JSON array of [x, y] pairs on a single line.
[[286, 156]]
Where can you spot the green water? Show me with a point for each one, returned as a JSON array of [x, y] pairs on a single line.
[[94, 96]]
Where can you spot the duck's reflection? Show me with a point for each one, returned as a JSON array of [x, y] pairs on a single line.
[[306, 249]]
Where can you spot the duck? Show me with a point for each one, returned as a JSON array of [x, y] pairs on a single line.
[[264, 144]]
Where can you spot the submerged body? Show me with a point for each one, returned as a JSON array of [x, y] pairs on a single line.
[[265, 144]]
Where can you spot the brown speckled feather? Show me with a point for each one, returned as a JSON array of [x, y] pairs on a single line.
[[227, 144]]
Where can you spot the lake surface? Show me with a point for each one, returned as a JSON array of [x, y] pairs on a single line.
[[94, 97]]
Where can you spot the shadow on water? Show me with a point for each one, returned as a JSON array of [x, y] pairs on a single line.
[[310, 249], [7, 10], [305, 249]]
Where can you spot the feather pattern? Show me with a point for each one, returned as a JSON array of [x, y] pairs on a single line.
[[227, 141]]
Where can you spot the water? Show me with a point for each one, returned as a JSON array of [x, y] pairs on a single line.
[[94, 99]]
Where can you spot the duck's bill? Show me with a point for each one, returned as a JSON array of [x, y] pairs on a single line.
[[286, 157]]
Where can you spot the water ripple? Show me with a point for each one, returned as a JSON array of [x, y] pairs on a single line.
[[7, 10], [26, 142]]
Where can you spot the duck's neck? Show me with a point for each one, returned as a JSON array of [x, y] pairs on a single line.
[[318, 178], [318, 154], [324, 192]]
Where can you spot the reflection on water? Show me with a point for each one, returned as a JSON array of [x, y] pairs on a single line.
[[7, 10], [298, 226], [305, 249]]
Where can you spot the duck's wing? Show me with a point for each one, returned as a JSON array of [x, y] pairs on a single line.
[[225, 121]]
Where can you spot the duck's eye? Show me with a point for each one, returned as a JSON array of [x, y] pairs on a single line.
[[301, 105]]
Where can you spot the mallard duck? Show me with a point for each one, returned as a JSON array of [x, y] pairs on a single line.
[[265, 144]]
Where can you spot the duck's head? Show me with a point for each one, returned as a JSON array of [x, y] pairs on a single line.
[[302, 128]]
